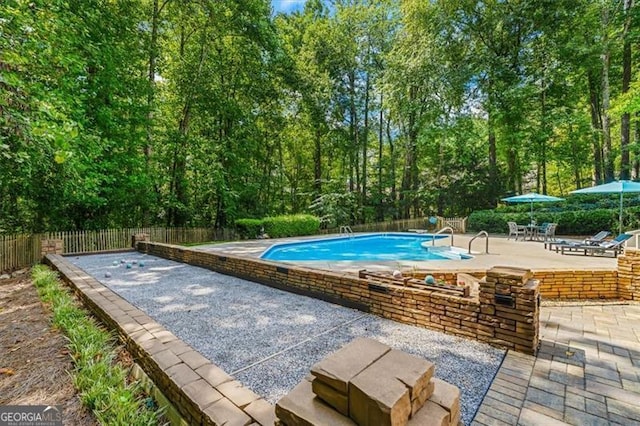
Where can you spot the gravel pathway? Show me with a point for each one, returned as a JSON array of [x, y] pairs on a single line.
[[268, 339]]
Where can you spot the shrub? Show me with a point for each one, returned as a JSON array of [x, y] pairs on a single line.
[[570, 222], [249, 228], [291, 226]]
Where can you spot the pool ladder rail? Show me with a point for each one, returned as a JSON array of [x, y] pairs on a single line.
[[484, 234], [346, 231], [442, 231]]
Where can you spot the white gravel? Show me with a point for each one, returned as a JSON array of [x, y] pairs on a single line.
[[268, 339]]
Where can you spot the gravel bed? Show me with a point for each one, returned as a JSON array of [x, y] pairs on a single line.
[[267, 338]]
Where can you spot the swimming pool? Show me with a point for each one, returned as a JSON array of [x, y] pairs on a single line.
[[394, 246]]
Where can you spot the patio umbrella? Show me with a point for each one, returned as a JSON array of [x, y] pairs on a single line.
[[531, 197], [615, 187]]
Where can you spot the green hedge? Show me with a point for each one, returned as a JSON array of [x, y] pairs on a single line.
[[249, 228], [572, 222], [291, 226]]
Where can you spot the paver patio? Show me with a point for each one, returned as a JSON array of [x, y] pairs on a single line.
[[587, 371]]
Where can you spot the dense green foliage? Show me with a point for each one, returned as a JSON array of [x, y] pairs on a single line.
[[249, 228], [165, 112], [291, 225], [102, 384], [580, 215]]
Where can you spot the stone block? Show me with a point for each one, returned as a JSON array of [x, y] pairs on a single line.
[[337, 400], [236, 393], [421, 398], [301, 407], [377, 398], [446, 396], [262, 412], [431, 414], [213, 374], [339, 368], [414, 372], [223, 412]]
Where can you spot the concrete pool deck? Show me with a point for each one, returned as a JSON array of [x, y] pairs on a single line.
[[503, 252]]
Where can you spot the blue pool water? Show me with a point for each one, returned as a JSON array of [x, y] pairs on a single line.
[[396, 246]]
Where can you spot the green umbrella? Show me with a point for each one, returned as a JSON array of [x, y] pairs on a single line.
[[532, 197], [615, 187]]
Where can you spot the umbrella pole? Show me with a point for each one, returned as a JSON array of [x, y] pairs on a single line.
[[531, 220], [620, 218]]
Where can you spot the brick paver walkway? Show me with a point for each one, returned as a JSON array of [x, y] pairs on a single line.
[[587, 371]]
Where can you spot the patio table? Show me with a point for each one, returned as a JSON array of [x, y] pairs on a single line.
[[532, 231]]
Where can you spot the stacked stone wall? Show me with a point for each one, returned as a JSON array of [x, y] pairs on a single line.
[[629, 274], [578, 284]]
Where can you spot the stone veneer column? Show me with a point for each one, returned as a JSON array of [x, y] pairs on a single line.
[[139, 237], [629, 274], [510, 305], [51, 246]]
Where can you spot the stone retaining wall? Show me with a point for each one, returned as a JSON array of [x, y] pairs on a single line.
[[578, 284], [506, 314], [202, 392], [629, 274]]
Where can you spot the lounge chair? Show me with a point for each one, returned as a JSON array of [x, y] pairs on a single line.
[[614, 246], [515, 230], [598, 238]]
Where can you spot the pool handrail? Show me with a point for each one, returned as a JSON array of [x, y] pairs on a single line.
[[346, 230], [484, 234], [443, 230]]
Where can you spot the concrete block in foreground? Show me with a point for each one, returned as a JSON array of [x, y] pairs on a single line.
[[414, 372], [300, 407], [431, 414], [377, 399], [335, 399], [339, 368], [448, 397]]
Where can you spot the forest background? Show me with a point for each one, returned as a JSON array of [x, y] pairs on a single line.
[[199, 112]]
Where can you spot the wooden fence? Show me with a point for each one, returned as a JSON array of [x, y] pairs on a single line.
[[459, 224], [24, 250]]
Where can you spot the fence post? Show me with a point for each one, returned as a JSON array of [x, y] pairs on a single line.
[[51, 246]]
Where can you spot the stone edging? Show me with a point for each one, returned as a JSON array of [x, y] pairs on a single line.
[[201, 391]]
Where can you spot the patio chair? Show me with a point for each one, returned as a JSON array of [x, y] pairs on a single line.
[[614, 246], [515, 230], [548, 233], [597, 238]]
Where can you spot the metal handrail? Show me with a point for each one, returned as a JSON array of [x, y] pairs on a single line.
[[481, 234], [346, 230], [446, 228]]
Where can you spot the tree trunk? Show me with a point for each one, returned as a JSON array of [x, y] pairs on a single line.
[[596, 127], [352, 132], [365, 143], [493, 163], [317, 171], [606, 93], [380, 206], [408, 186], [393, 166], [636, 143], [543, 141], [625, 123]]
